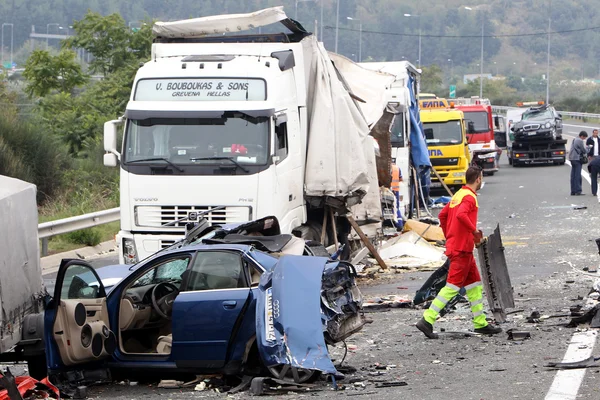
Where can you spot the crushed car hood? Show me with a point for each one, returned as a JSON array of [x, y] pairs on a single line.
[[302, 304]]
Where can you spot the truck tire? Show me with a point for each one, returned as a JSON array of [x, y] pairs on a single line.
[[307, 233], [37, 367]]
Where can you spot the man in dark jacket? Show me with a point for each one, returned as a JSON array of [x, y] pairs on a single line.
[[594, 169], [576, 152], [593, 145]]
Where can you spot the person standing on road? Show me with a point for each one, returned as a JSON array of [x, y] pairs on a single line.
[[458, 220], [594, 169], [576, 153], [592, 145]]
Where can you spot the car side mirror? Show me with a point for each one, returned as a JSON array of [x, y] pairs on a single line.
[[559, 116], [512, 128]]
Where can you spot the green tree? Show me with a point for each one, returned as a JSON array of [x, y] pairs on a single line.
[[431, 79], [45, 73], [110, 41]]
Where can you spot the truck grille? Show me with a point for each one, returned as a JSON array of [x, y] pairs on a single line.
[[444, 161], [531, 127], [159, 216]]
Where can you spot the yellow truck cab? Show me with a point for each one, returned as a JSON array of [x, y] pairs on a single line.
[[445, 133]]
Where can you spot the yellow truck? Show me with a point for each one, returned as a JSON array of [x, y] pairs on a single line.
[[445, 133]]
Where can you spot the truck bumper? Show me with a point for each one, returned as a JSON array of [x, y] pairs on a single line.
[[450, 178]]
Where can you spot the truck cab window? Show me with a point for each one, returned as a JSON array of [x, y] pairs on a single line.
[[281, 141], [397, 131], [479, 119]]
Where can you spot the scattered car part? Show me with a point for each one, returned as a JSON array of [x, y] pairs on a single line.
[[587, 363], [518, 335], [494, 271]]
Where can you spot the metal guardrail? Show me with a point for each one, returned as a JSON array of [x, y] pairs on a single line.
[[71, 224], [570, 114]]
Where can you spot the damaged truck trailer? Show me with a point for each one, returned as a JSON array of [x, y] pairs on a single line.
[[242, 126], [21, 285]]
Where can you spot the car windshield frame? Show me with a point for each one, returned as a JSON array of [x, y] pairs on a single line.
[[538, 115], [454, 138], [480, 121], [190, 145]]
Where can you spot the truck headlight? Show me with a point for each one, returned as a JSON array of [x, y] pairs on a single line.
[[547, 125], [129, 251], [458, 174]]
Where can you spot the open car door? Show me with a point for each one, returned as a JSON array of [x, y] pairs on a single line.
[[77, 328]]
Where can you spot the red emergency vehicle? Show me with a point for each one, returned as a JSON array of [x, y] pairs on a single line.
[[480, 133]]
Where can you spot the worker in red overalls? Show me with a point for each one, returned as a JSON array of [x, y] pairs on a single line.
[[458, 220]]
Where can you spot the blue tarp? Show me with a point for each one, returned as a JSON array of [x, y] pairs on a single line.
[[418, 145], [289, 328]]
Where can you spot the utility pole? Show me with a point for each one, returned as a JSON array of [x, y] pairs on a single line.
[[321, 35], [481, 62], [548, 56], [337, 23]]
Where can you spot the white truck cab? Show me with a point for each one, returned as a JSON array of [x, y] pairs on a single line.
[[220, 124]]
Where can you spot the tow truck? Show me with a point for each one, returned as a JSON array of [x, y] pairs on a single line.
[[537, 137]]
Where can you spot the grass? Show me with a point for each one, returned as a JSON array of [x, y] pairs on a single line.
[[61, 243], [87, 189]]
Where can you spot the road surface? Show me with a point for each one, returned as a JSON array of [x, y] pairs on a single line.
[[544, 229]]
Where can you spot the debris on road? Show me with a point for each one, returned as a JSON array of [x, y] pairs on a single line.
[[518, 335], [429, 232], [25, 388]]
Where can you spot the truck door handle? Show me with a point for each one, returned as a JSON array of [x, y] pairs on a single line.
[[230, 304]]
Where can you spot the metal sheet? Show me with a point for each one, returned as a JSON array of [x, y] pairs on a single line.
[[289, 329], [495, 277]]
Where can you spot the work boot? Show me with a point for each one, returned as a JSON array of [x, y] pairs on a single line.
[[426, 328], [489, 330]]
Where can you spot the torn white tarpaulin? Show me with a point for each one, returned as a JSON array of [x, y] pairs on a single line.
[[410, 250], [20, 271], [227, 23], [368, 85]]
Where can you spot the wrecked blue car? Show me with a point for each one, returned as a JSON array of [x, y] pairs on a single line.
[[202, 308]]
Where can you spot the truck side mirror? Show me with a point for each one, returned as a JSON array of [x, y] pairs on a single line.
[[280, 119], [496, 122], [110, 160], [470, 127], [110, 142]]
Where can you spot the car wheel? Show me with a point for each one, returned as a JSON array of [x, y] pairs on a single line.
[[286, 372]]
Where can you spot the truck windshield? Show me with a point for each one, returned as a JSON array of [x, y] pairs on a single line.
[[198, 141], [537, 115], [480, 120], [446, 133]]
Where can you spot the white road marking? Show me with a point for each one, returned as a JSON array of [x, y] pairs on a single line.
[[580, 126], [567, 382]]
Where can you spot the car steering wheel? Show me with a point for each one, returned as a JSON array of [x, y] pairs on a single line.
[[163, 304]]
